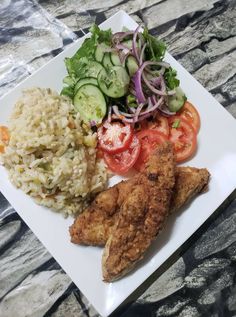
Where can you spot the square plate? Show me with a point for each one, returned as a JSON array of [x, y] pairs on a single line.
[[216, 151]]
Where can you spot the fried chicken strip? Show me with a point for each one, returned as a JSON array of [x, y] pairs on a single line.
[[94, 225], [141, 216]]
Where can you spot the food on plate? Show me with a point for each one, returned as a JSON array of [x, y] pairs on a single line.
[[114, 138], [123, 76], [184, 138], [94, 225], [190, 113], [142, 215], [126, 217], [51, 156], [121, 85], [4, 138], [149, 139]]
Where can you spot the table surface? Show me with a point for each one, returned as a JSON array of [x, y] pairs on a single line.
[[201, 35]]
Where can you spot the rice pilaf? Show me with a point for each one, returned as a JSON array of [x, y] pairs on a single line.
[[51, 156]]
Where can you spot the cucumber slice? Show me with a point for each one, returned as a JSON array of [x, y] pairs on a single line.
[[93, 69], [100, 51], [107, 60], [131, 65], [176, 101], [114, 82], [88, 69], [115, 59], [127, 43], [86, 80], [89, 101]]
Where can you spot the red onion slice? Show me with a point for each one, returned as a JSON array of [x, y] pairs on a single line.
[[138, 110], [134, 44], [152, 88], [152, 109], [142, 54]]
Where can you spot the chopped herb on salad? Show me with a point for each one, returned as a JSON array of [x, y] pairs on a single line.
[[121, 86], [127, 68]]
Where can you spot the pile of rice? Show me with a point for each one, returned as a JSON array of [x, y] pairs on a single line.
[[51, 156]]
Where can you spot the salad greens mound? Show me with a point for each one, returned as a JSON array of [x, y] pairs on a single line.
[[122, 74]]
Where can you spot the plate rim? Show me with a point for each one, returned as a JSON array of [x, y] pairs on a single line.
[[121, 14]]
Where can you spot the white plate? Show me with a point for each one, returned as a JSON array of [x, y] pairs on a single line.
[[216, 151]]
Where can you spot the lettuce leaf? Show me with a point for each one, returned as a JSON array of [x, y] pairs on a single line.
[[77, 65], [170, 78], [155, 49]]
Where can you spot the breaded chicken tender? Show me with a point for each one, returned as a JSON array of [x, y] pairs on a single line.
[[94, 225], [141, 216], [127, 217]]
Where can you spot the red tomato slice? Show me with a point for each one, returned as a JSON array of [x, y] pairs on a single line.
[[190, 113], [149, 140], [159, 123], [121, 163], [114, 137], [183, 136]]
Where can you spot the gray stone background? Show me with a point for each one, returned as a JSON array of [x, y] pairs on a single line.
[[201, 35]]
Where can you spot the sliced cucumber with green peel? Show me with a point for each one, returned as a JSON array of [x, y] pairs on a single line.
[[115, 59], [89, 101], [100, 51], [176, 102], [132, 65], [86, 80], [127, 43], [91, 69], [114, 82], [107, 60]]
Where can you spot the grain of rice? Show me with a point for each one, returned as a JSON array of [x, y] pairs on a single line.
[[51, 156]]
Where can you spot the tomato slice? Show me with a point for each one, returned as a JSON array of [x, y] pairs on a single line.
[[114, 137], [149, 140], [121, 163], [183, 136], [159, 123], [190, 113]]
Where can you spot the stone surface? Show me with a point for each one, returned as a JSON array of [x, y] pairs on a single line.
[[216, 48], [231, 251], [217, 73], [160, 13], [193, 60], [19, 260], [220, 98], [5, 208], [196, 30], [231, 108], [229, 88], [231, 300], [189, 311], [168, 283], [35, 295], [211, 294], [8, 232], [217, 239], [27, 32], [172, 307], [205, 271], [69, 308]]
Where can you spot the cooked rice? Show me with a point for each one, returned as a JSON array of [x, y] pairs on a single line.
[[51, 156]]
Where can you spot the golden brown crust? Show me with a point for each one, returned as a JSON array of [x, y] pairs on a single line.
[[128, 216], [189, 181], [141, 215], [94, 225]]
